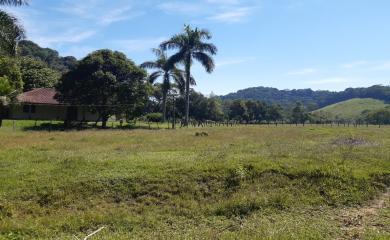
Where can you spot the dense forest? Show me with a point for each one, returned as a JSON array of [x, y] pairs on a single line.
[[49, 56], [311, 99]]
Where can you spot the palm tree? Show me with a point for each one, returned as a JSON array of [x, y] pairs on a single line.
[[167, 72], [191, 46], [11, 32], [14, 2]]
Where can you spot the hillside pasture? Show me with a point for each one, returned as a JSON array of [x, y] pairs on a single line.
[[351, 109], [241, 182]]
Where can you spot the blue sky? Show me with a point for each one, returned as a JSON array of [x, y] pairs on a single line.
[[288, 44]]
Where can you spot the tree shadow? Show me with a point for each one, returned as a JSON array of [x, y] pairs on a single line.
[[61, 127]]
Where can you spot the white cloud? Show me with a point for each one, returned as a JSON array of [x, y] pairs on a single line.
[[302, 72], [355, 64], [181, 8], [224, 2], [227, 11], [232, 16], [102, 13], [384, 66], [70, 36], [136, 45], [329, 81]]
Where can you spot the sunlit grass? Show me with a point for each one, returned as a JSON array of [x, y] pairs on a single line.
[[239, 182]]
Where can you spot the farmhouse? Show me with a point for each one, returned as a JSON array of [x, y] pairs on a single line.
[[40, 104]]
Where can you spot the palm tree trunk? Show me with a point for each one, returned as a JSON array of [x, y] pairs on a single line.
[[164, 106], [188, 80]]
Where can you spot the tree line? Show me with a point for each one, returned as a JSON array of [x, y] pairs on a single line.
[[111, 84]]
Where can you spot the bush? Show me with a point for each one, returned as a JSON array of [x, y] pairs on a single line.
[[154, 117]]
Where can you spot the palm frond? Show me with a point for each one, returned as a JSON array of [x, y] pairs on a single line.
[[13, 2], [206, 47], [152, 77], [149, 65], [204, 34], [206, 61], [11, 33], [176, 58], [176, 42]]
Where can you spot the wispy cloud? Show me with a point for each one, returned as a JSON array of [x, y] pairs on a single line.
[[70, 36], [232, 16], [102, 13], [224, 2], [181, 8], [331, 80], [302, 72], [383, 66], [136, 45], [354, 64], [224, 11]]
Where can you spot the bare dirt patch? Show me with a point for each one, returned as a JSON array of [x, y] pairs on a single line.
[[351, 141], [354, 222]]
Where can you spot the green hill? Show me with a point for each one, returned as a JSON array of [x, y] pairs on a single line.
[[309, 97], [350, 109]]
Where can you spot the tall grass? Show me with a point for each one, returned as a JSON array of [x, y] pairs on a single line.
[[241, 182]]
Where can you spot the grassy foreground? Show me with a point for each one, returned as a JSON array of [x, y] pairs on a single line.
[[243, 182]]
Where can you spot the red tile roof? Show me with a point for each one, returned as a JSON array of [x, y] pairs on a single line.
[[39, 96]]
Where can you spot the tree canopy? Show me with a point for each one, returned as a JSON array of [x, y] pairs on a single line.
[[36, 74], [108, 81], [11, 32], [10, 76]]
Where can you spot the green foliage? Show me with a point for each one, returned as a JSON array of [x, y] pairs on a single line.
[[298, 114], [191, 46], [5, 86], [167, 72], [36, 74], [308, 97], [352, 109], [381, 116], [201, 108], [11, 79], [46, 55], [104, 79], [154, 117], [252, 111], [11, 32]]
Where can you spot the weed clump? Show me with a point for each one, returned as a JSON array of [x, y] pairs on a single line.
[[201, 134]]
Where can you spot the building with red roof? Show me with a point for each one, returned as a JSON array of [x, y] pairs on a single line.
[[41, 104]]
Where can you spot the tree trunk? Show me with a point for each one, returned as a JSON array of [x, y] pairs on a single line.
[[104, 123], [164, 106], [188, 80]]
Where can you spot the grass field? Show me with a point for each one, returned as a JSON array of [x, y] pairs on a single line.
[[350, 109], [242, 182]]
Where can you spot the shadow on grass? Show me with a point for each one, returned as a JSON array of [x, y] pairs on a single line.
[[56, 127]]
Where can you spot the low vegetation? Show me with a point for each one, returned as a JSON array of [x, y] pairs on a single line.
[[351, 109], [241, 182]]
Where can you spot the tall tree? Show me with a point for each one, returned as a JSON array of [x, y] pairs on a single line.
[[167, 72], [11, 32], [108, 82], [36, 74], [191, 46]]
